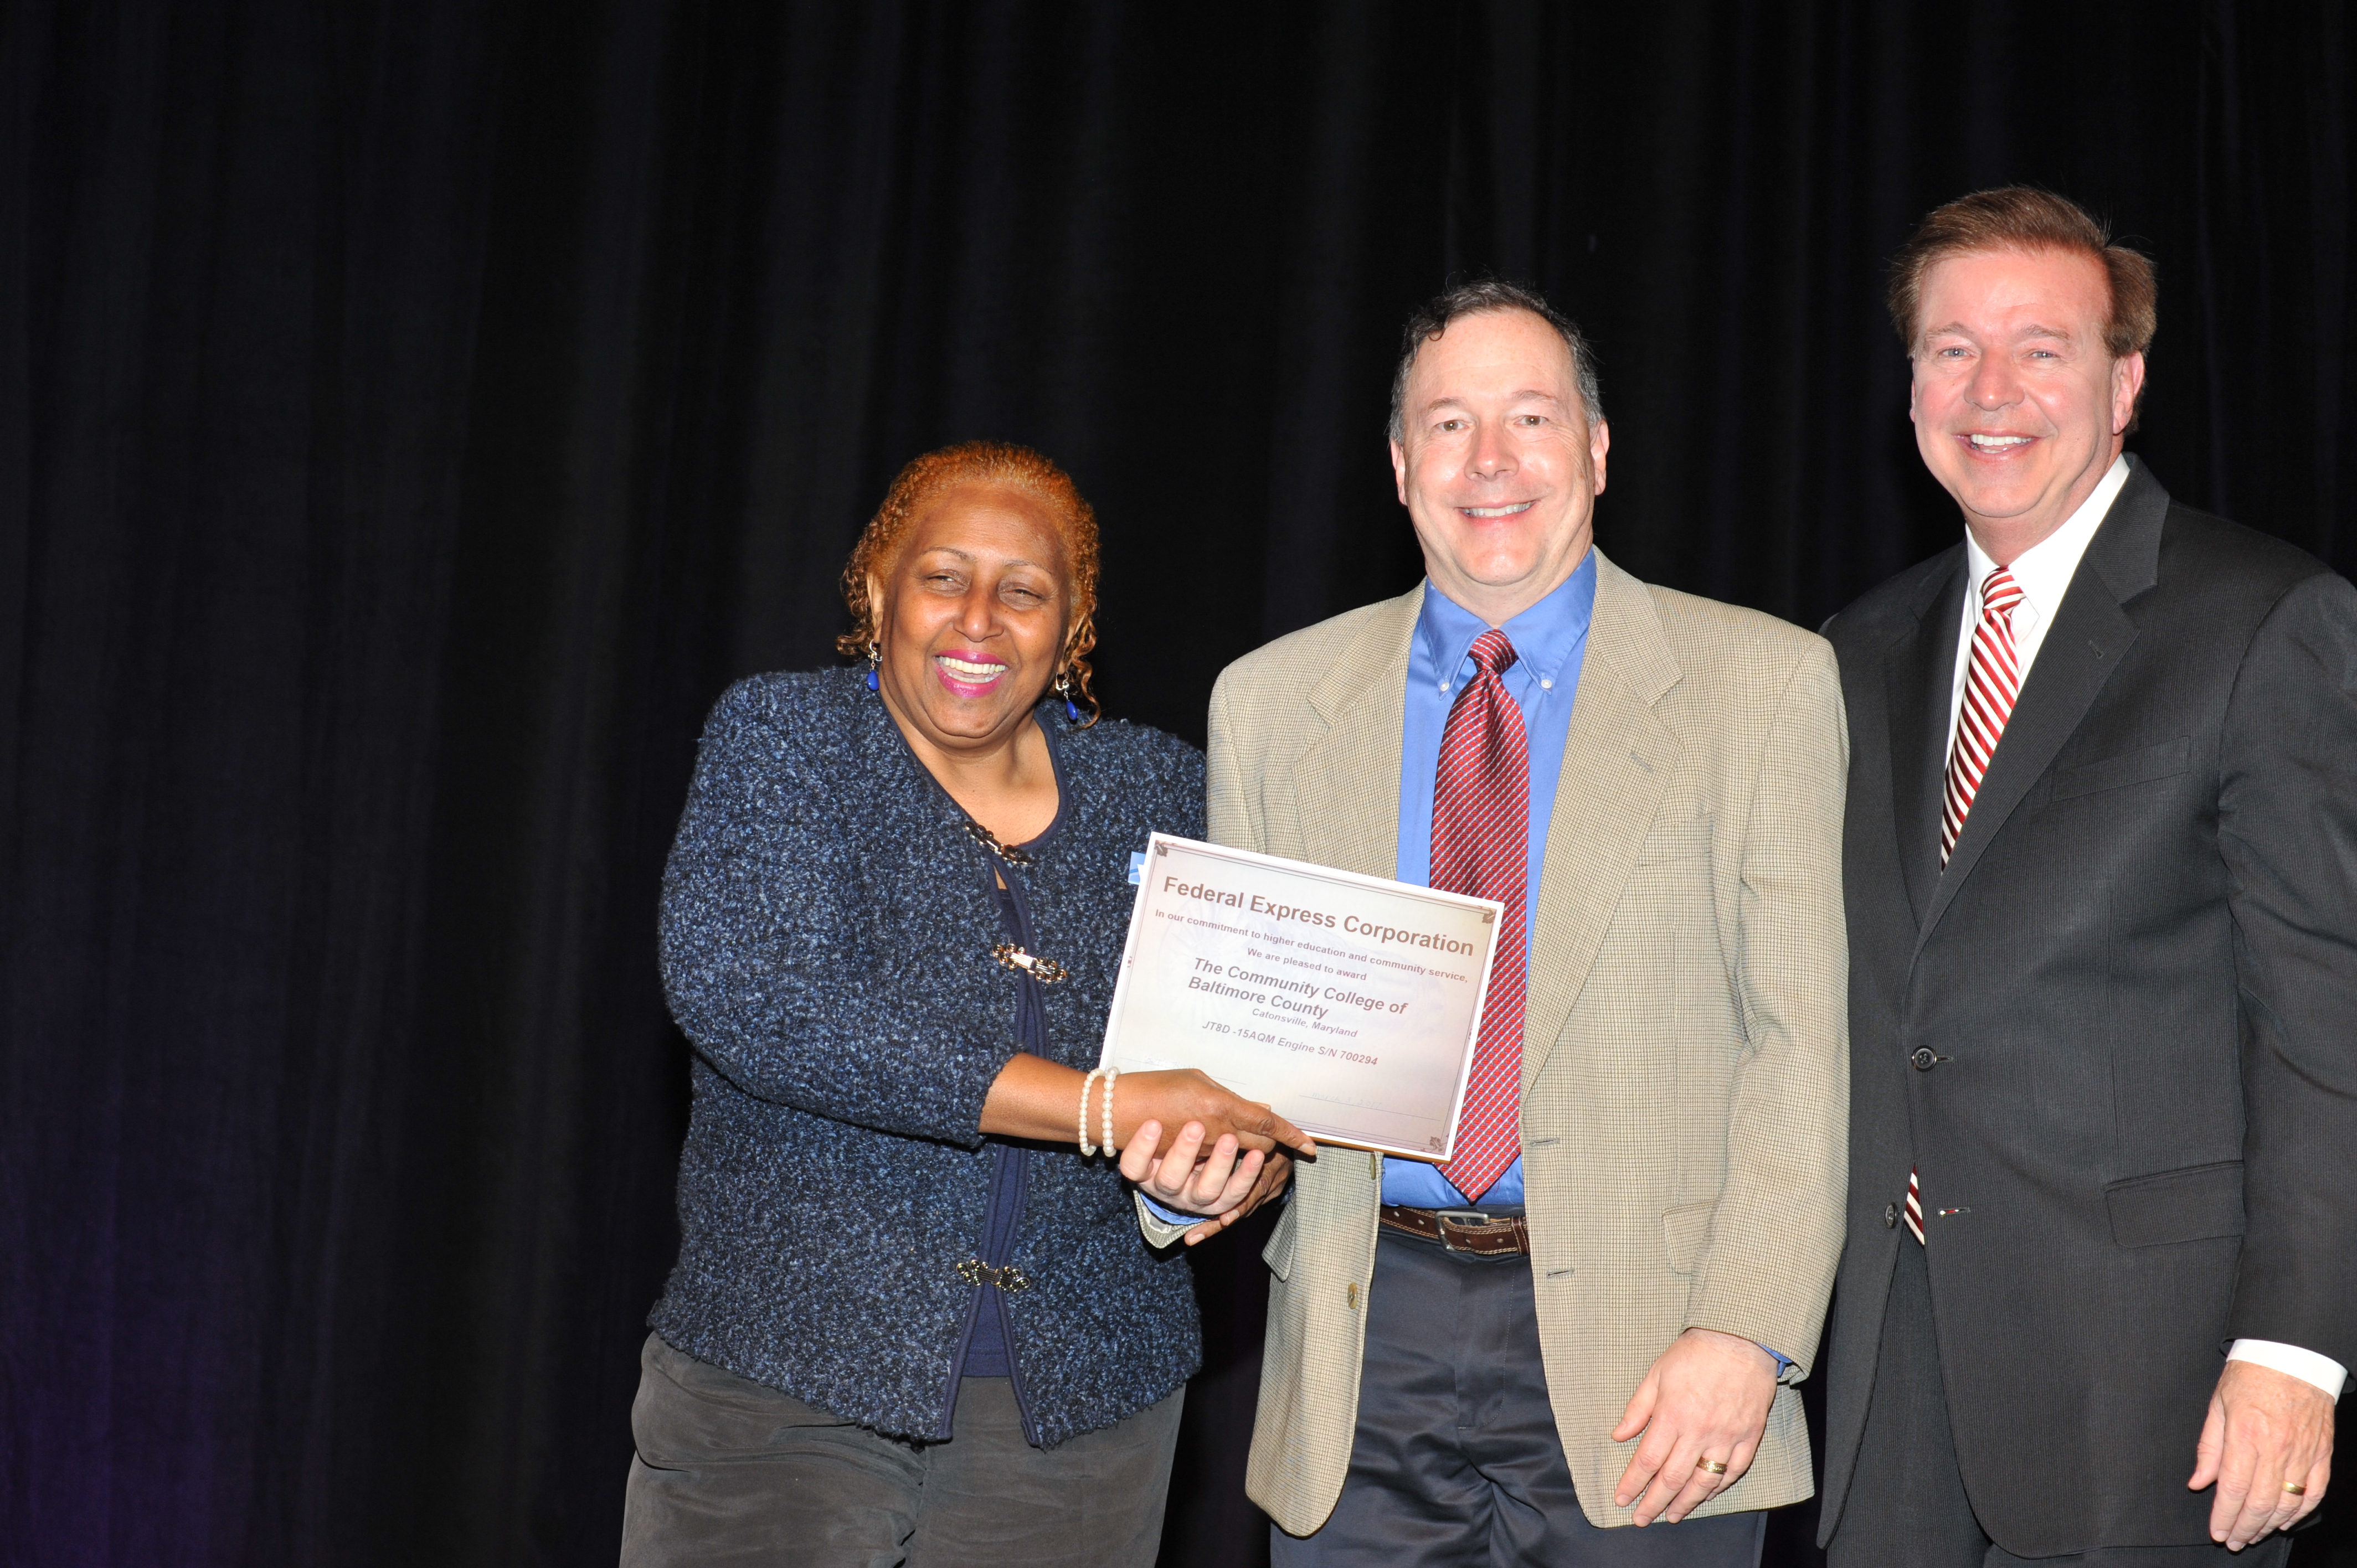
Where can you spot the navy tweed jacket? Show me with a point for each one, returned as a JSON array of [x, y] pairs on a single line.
[[827, 936]]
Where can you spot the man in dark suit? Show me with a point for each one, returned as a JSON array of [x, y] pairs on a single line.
[[2099, 1287]]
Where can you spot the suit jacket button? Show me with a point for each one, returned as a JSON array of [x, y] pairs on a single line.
[[1922, 1058], [1889, 1215]]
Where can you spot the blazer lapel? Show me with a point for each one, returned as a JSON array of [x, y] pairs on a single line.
[[1919, 673], [2090, 634], [1346, 785], [1616, 765]]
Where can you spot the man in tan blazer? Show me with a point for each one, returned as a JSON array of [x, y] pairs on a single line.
[[1607, 1332]]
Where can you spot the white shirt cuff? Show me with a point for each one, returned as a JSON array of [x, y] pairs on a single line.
[[2322, 1370]]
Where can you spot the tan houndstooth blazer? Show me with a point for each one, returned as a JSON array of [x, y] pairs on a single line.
[[1686, 1044]]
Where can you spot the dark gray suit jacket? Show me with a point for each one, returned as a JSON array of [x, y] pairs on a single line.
[[2118, 1033]]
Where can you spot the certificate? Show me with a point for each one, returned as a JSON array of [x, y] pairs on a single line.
[[1347, 1003]]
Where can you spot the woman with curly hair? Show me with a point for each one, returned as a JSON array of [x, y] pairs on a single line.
[[913, 1319]]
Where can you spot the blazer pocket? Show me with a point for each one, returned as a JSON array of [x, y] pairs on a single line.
[[1278, 1253], [1683, 1232], [2166, 760], [1677, 841], [2191, 1205]]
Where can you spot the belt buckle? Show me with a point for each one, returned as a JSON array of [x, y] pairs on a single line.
[[1473, 1219]]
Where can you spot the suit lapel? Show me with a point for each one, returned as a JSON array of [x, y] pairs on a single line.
[[1920, 673], [2091, 632], [1347, 784], [1616, 765]]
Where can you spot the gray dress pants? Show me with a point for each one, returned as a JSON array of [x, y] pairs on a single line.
[[730, 1473], [1907, 1507], [1456, 1460]]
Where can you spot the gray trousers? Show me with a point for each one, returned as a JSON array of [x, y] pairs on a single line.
[[1907, 1507], [730, 1473], [1455, 1460]]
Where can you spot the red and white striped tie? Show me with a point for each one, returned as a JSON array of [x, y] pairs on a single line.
[[1992, 683], [1481, 844]]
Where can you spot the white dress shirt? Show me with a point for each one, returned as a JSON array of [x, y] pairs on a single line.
[[2043, 572]]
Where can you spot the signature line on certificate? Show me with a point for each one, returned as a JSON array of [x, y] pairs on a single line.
[[1362, 1105]]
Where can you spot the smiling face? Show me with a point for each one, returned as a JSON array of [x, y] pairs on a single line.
[[2018, 406], [1497, 466], [973, 616]]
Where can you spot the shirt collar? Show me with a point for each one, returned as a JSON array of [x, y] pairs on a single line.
[[2044, 570], [1544, 636]]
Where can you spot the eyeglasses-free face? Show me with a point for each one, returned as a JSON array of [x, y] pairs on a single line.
[[2018, 406], [974, 616], [1497, 464]]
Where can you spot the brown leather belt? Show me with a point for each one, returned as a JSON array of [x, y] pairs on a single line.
[[1462, 1230]]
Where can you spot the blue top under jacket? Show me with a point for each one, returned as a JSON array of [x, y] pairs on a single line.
[[1550, 640], [826, 938]]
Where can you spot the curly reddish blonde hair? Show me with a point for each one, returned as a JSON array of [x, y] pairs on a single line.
[[981, 462]]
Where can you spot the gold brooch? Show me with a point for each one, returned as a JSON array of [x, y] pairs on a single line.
[[1046, 971], [974, 1271]]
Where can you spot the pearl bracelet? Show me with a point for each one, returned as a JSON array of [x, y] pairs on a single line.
[[1111, 1073], [1087, 1150], [1088, 1083]]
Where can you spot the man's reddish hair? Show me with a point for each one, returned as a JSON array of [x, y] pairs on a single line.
[[980, 462]]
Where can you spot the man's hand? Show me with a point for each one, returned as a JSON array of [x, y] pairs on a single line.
[[1222, 1185], [1706, 1397], [2265, 1429], [1274, 1175]]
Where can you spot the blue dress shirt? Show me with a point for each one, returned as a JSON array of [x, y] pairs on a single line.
[[1550, 638]]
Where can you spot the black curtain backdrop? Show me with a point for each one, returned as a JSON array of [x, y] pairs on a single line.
[[413, 412]]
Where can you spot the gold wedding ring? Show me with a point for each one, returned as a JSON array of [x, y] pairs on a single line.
[[2294, 1488], [1716, 1466]]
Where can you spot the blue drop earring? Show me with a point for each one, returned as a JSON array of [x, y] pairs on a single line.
[[1064, 690], [875, 658]]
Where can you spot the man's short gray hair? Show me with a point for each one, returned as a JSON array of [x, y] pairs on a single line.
[[1483, 298]]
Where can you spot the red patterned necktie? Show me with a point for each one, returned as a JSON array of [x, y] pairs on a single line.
[[1992, 683], [1481, 844]]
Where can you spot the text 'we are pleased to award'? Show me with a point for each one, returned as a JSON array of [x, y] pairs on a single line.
[[1347, 1003]]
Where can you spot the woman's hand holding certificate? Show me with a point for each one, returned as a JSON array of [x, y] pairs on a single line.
[[1190, 1145]]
